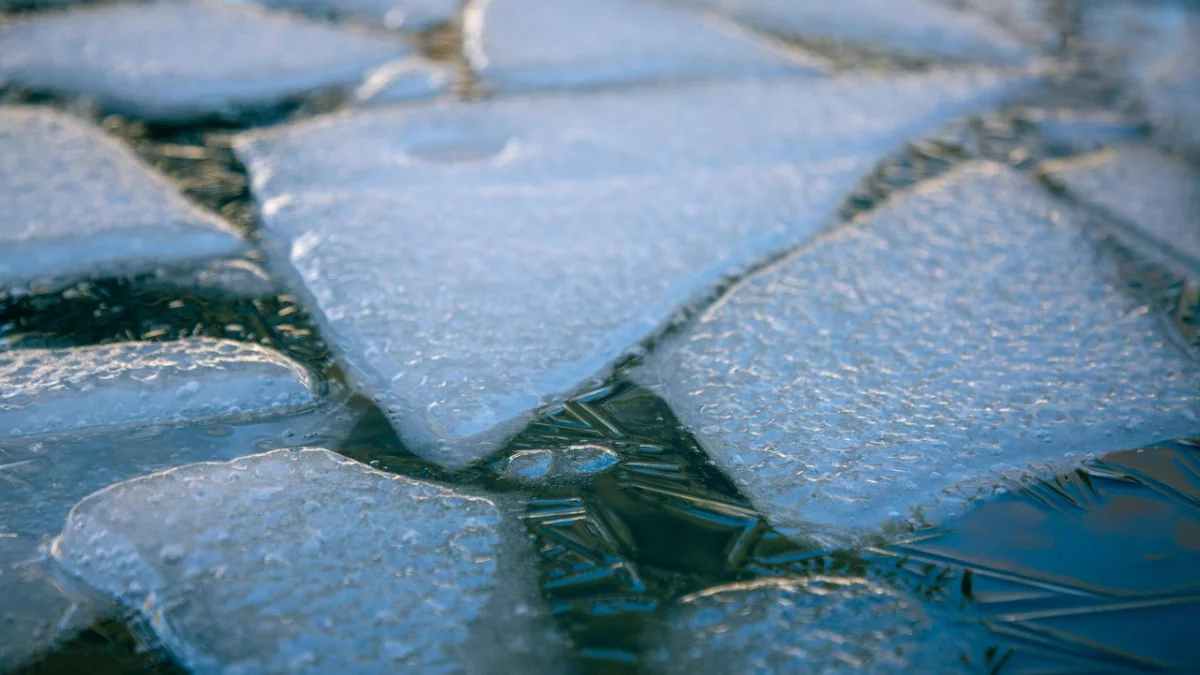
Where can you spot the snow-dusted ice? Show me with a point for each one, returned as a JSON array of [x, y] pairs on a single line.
[[46, 391], [518, 45], [305, 561], [1156, 194], [963, 329], [180, 62], [910, 28], [811, 625], [74, 204], [470, 262]]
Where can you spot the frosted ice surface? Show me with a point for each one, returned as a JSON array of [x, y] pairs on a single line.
[[182, 61], [295, 561], [406, 15], [1156, 193], [530, 141], [536, 44], [471, 262], [556, 465], [74, 203], [811, 625], [914, 28], [42, 478], [965, 328], [56, 390]]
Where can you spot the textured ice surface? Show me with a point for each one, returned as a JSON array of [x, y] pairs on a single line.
[[812, 625], [965, 328], [915, 28], [407, 15], [299, 561], [182, 61], [469, 262], [1157, 194], [42, 478], [56, 390], [558, 465], [74, 203], [532, 44]]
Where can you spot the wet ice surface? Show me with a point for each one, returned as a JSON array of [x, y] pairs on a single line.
[[57, 390], [73, 204], [41, 479], [913, 28], [1159, 195], [544, 44], [303, 561], [811, 625], [428, 293], [967, 328], [406, 15], [35, 613], [178, 62], [571, 464]]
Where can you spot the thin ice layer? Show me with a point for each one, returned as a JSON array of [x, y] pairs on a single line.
[[74, 203], [179, 62], [966, 328], [535, 243], [1155, 193], [541, 44], [46, 391], [811, 625], [35, 614], [406, 15], [295, 562], [1157, 46], [912, 28]]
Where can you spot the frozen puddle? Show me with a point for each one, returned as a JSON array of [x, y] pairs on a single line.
[[472, 262], [913, 28], [139, 383], [74, 203], [179, 62], [304, 561], [964, 329], [541, 44], [812, 625], [1157, 194]]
